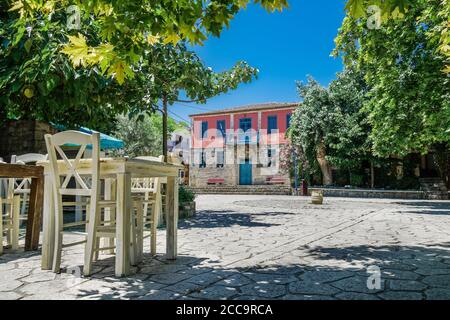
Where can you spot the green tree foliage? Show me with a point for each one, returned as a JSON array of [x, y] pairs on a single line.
[[405, 63], [42, 78], [171, 72], [38, 82], [329, 127], [125, 28], [143, 138], [168, 71], [397, 9]]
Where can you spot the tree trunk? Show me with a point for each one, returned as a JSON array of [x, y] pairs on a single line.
[[440, 158], [164, 122], [372, 175], [325, 166]]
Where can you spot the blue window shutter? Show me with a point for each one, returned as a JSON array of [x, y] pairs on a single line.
[[288, 120], [221, 127], [272, 124], [204, 128], [245, 124]]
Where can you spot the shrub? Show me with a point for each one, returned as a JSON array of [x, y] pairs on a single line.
[[407, 183], [356, 180], [185, 195]]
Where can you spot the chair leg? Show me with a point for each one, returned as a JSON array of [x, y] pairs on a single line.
[[1, 226], [86, 226], [140, 232], [133, 242], [110, 213], [23, 209], [97, 239], [111, 241], [91, 243], [15, 223], [9, 215], [58, 238], [156, 208]]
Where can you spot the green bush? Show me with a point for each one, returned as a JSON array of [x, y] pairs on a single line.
[[356, 180], [407, 183], [185, 195]]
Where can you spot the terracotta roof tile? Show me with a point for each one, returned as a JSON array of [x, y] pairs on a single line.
[[252, 107]]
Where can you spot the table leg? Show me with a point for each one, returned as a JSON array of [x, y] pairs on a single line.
[[48, 225], [123, 223], [171, 217], [34, 214], [15, 220]]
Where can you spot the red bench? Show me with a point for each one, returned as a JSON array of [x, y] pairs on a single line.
[[275, 180], [216, 181]]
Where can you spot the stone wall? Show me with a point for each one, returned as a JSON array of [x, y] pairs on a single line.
[[198, 177], [234, 155], [370, 193], [23, 136]]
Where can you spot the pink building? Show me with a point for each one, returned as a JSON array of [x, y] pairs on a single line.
[[239, 146]]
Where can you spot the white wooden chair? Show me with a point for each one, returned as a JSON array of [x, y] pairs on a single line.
[[161, 182], [88, 187], [173, 159], [9, 222], [11, 191], [22, 187], [148, 191]]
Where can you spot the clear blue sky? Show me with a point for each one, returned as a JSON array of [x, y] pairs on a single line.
[[285, 47]]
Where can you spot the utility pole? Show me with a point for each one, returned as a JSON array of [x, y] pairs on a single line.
[[164, 122]]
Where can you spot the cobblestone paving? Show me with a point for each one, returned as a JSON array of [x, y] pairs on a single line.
[[268, 247]]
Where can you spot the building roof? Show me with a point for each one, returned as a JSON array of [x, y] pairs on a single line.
[[252, 107]]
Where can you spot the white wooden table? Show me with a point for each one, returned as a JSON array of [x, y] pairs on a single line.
[[122, 169]]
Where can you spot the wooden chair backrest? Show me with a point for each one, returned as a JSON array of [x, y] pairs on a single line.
[[54, 143], [23, 185], [28, 158], [144, 185]]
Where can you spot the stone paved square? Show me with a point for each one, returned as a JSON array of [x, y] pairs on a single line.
[[267, 247]]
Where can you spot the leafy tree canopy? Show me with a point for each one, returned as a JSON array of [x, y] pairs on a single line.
[[384, 10], [403, 61], [329, 127], [38, 82], [38, 79], [171, 71], [124, 28], [143, 138]]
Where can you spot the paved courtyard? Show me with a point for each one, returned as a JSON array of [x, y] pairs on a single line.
[[268, 247]]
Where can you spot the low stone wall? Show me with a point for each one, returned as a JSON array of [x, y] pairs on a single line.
[[366, 193], [23, 136], [198, 177]]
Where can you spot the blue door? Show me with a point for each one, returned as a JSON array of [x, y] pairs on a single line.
[[245, 173]]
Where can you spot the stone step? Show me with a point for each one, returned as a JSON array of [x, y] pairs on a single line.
[[434, 188], [430, 179], [437, 195]]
